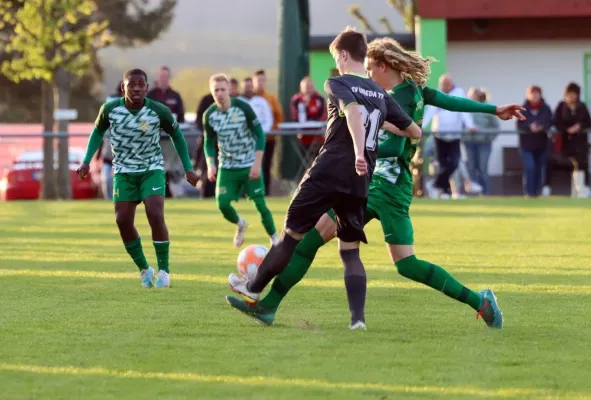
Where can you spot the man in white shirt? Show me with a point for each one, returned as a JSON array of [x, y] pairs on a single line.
[[447, 127], [259, 104]]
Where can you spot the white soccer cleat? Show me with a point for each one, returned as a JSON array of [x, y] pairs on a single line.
[[358, 326], [240, 231], [147, 276], [163, 280], [475, 188], [238, 286], [432, 191]]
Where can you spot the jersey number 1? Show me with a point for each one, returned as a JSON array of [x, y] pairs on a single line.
[[370, 121]]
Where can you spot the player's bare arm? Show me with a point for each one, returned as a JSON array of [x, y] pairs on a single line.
[[355, 124]]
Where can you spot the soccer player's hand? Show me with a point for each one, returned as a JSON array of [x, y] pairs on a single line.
[[509, 111], [360, 165], [83, 170], [255, 172], [192, 177], [211, 173]]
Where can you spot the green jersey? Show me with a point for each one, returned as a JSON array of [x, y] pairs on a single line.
[[395, 152], [237, 132], [135, 136]]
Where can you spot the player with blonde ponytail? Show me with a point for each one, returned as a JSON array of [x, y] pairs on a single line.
[[403, 74]]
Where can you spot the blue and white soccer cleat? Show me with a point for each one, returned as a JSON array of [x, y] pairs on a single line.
[[147, 276], [490, 311], [163, 280]]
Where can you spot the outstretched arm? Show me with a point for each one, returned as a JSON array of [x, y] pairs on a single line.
[[460, 104]]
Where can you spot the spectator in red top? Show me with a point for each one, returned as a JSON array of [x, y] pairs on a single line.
[[308, 105]]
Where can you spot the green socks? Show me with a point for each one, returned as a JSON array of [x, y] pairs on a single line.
[[266, 216], [162, 255], [134, 249], [439, 279], [296, 269]]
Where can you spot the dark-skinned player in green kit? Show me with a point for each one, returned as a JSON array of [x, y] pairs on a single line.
[[403, 74], [134, 124]]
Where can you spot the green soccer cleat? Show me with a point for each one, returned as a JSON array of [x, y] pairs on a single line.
[[264, 316], [490, 311]]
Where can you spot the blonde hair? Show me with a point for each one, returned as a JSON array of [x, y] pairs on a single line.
[[219, 78], [410, 64]]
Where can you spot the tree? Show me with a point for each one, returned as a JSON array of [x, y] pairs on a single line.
[[406, 8], [57, 40]]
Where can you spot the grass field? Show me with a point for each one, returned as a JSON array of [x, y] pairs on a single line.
[[76, 324]]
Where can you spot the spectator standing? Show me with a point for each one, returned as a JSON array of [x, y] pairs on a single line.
[[447, 127], [164, 94], [259, 81], [206, 187], [533, 139], [308, 105], [479, 145], [572, 121], [234, 87], [259, 104]]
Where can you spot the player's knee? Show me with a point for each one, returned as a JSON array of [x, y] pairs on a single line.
[[123, 220], [327, 228], [406, 266], [155, 215], [260, 205], [223, 203]]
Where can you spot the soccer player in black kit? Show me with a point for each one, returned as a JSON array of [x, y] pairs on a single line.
[[340, 175]]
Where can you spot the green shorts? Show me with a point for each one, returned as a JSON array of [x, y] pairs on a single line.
[[136, 187], [230, 183], [390, 205]]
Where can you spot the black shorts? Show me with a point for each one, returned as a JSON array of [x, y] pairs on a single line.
[[312, 200]]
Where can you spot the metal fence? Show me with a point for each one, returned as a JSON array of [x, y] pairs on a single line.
[[505, 152]]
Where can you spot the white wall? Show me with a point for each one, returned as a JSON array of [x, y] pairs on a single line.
[[506, 69]]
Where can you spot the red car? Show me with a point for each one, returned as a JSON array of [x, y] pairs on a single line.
[[22, 181]]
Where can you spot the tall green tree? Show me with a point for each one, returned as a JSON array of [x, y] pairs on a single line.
[[56, 41]]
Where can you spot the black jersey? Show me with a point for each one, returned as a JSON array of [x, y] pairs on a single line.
[[335, 165]]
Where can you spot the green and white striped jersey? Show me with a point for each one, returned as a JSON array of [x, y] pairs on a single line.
[[237, 132], [135, 134]]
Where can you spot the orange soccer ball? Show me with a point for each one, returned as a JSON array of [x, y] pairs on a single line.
[[249, 260]]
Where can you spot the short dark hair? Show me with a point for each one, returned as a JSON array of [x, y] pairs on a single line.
[[134, 71], [573, 88], [164, 67], [247, 79], [233, 81], [259, 72], [534, 89], [351, 41]]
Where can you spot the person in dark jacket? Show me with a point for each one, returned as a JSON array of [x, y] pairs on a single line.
[[572, 120], [533, 139], [207, 187], [105, 156], [163, 93]]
